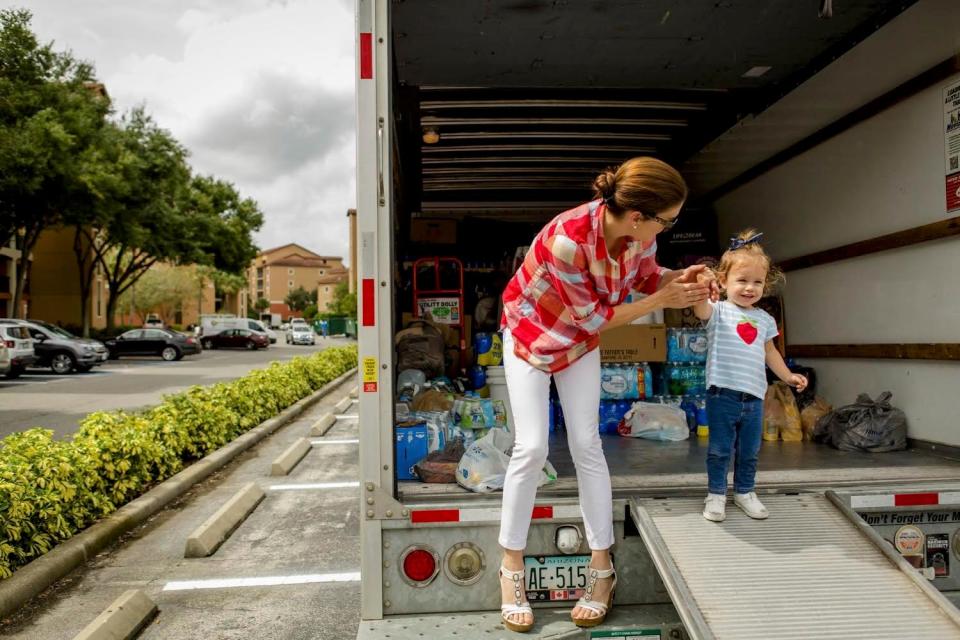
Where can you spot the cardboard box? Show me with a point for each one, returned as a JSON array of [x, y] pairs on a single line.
[[681, 319], [451, 333], [433, 231], [634, 343]]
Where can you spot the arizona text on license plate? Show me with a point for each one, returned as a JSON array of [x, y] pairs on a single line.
[[555, 577]]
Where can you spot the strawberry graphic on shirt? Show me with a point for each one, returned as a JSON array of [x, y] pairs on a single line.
[[747, 330]]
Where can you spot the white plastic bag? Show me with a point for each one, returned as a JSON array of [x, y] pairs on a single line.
[[657, 422], [483, 466]]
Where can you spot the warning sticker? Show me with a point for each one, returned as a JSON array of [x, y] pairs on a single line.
[[369, 375], [909, 540], [938, 554], [951, 143]]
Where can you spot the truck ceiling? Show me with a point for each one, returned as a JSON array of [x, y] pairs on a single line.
[[530, 98]]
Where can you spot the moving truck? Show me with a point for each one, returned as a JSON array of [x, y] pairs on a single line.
[[832, 127]]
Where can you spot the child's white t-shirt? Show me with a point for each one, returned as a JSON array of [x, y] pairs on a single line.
[[737, 338]]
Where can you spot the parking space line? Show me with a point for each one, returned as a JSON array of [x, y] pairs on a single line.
[[319, 442], [266, 581], [312, 486]]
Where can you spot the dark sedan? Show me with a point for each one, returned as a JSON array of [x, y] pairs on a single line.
[[167, 344], [237, 338]]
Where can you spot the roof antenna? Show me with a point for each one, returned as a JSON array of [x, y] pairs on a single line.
[[826, 9]]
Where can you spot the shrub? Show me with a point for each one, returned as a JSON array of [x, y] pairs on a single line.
[[51, 489]]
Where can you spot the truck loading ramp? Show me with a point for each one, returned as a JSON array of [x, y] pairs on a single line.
[[814, 569]]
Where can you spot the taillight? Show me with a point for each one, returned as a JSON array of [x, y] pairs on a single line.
[[10, 344], [419, 565], [191, 341]]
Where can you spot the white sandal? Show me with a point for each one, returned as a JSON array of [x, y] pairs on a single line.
[[520, 604], [587, 601]]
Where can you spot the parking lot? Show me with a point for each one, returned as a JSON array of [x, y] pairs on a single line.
[[41, 398]]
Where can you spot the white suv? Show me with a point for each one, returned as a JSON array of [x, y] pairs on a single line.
[[19, 344]]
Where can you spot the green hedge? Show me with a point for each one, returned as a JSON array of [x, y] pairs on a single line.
[[50, 489]]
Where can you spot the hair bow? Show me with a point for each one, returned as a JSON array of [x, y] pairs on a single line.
[[737, 243]]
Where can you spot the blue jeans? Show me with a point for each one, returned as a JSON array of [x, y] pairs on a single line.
[[735, 420]]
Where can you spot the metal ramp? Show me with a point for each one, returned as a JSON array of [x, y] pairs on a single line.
[[813, 570]]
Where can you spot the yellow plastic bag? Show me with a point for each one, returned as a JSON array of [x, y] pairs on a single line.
[[811, 414], [781, 418], [773, 415], [792, 429]]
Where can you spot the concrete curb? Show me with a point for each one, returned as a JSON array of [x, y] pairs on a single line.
[[287, 460], [355, 393], [208, 537], [33, 578], [343, 405], [321, 426], [127, 615]]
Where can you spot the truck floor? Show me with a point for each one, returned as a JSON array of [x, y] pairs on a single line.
[[666, 467]]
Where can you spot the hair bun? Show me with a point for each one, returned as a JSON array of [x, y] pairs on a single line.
[[605, 184]]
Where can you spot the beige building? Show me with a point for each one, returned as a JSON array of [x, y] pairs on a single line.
[[278, 271], [55, 290], [9, 255], [55, 283]]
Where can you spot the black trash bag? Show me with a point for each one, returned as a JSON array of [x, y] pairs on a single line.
[[868, 425]]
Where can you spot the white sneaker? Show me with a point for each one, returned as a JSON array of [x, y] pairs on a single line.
[[751, 505], [715, 508]]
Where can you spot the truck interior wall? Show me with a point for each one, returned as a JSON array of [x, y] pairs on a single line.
[[883, 175]]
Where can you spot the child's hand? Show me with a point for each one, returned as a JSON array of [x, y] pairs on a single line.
[[798, 381], [708, 277]]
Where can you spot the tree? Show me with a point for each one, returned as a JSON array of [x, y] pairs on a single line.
[[299, 299], [344, 303], [261, 305], [310, 312], [50, 114], [162, 289]]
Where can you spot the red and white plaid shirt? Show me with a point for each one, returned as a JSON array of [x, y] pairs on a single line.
[[567, 286]]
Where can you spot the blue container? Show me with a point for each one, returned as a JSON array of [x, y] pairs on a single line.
[[684, 379], [412, 446], [556, 416], [478, 376]]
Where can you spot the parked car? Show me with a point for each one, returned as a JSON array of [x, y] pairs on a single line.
[[4, 359], [59, 349], [169, 345], [237, 338], [301, 334], [256, 325], [153, 321], [19, 344]]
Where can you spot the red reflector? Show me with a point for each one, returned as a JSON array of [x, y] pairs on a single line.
[[435, 515], [915, 499], [369, 289], [542, 512], [366, 56], [419, 565]]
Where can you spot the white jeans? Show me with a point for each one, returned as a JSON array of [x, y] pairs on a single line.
[[579, 388]]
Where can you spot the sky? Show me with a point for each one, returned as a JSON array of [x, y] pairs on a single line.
[[260, 91]]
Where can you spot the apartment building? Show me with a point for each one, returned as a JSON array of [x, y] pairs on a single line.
[[278, 271]]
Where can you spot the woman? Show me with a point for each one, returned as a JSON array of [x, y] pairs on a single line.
[[571, 287]]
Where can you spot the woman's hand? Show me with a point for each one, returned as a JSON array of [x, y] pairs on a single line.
[[704, 275], [680, 295]]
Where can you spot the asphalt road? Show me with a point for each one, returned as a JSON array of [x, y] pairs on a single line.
[[289, 571], [43, 399]]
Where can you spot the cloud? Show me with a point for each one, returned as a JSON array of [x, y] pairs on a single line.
[[260, 91]]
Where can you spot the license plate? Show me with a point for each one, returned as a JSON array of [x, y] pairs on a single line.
[[25, 344], [102, 357], [555, 577]]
